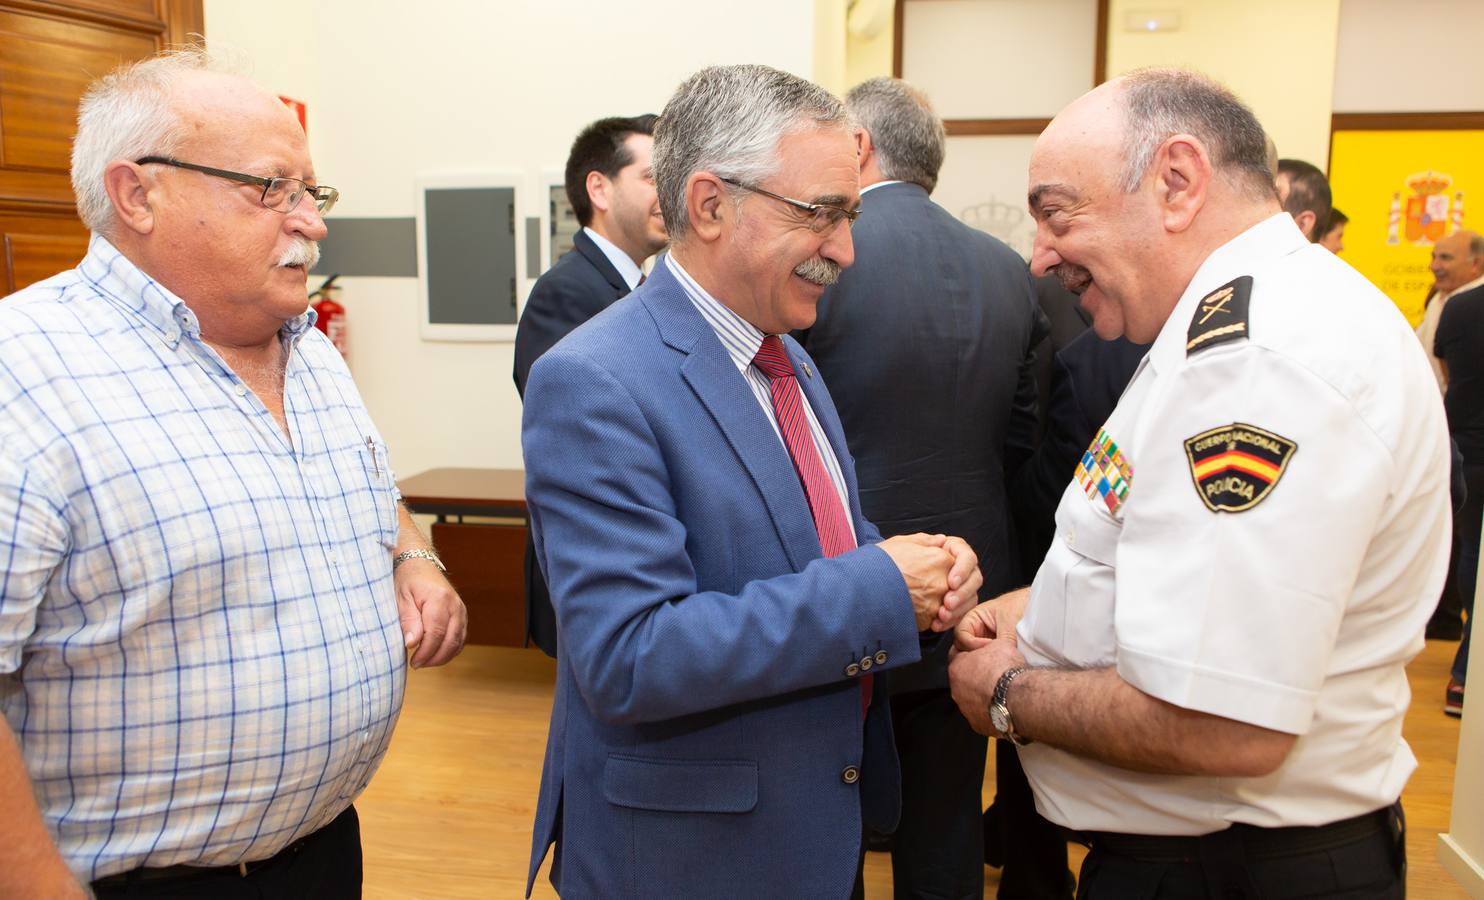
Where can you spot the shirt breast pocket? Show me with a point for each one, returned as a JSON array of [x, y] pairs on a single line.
[[1089, 588], [368, 493]]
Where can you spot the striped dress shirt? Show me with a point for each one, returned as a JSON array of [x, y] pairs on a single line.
[[199, 644], [741, 339]]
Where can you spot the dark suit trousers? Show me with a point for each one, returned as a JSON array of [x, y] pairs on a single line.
[[938, 849]]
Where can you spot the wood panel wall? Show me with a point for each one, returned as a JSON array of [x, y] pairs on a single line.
[[50, 50]]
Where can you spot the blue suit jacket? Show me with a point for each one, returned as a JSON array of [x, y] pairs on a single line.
[[705, 733]]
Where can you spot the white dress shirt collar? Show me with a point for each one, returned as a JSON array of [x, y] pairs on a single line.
[[740, 337], [628, 270]]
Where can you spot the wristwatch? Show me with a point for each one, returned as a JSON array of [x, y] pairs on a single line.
[[999, 707], [428, 555]]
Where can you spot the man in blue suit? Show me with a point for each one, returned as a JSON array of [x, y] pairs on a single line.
[[611, 188], [721, 602]]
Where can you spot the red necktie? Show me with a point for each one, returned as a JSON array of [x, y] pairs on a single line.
[[835, 536]]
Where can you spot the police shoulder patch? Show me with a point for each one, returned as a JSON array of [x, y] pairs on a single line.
[[1236, 466], [1221, 316]]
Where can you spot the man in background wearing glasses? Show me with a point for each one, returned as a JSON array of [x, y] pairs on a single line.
[[721, 601], [201, 652]]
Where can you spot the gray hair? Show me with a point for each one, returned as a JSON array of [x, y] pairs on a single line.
[[1476, 244], [907, 134], [728, 120], [1160, 103], [126, 114]]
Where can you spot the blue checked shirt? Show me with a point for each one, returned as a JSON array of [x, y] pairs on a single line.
[[199, 644]]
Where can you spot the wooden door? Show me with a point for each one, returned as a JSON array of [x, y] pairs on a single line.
[[50, 50]]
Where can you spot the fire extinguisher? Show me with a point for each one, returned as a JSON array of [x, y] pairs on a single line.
[[330, 315]]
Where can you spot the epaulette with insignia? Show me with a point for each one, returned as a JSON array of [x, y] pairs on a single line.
[[1221, 316]]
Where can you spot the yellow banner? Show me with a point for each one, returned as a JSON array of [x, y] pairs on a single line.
[[1402, 191]]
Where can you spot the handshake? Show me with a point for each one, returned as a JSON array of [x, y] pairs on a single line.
[[942, 575]]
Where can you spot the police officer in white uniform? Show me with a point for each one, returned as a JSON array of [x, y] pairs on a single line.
[[1207, 676]]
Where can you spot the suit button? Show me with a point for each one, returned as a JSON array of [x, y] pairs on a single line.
[[880, 657], [852, 670], [851, 775], [865, 663]]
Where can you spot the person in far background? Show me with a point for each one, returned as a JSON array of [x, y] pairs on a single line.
[[1457, 267], [1460, 347], [1333, 239], [1304, 192], [611, 189]]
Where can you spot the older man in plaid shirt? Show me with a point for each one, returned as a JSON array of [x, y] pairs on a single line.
[[202, 635]]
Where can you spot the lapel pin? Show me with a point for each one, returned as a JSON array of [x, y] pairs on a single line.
[[808, 371]]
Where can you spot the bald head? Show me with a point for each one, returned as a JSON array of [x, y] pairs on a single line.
[[1135, 183], [148, 108], [1457, 259]]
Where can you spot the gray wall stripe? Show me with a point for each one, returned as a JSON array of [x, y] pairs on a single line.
[[385, 247]]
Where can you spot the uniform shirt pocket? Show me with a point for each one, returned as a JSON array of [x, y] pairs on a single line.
[[1089, 587]]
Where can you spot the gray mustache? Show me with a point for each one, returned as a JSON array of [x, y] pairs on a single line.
[[1073, 278], [818, 270], [303, 253]]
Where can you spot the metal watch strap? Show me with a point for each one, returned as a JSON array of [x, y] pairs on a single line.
[[428, 555], [1001, 699]]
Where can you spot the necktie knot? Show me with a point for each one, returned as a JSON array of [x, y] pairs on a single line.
[[772, 359]]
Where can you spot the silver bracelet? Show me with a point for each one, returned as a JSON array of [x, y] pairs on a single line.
[[428, 555]]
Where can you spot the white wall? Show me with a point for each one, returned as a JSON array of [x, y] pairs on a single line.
[[999, 59], [397, 89], [1420, 56], [1277, 55]]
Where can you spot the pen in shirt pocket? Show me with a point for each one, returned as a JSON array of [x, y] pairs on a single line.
[[375, 459]]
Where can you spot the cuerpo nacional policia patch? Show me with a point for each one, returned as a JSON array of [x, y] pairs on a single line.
[[1104, 473], [1236, 466]]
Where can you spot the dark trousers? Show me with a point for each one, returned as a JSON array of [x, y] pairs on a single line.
[[1467, 526], [1372, 867], [325, 865], [938, 849]]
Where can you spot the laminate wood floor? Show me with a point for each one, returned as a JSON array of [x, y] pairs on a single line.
[[449, 814]]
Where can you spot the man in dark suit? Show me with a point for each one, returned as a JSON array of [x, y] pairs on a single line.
[[926, 343], [1304, 192], [1460, 347], [723, 603], [611, 188]]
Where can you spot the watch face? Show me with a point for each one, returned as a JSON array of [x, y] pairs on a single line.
[[999, 717]]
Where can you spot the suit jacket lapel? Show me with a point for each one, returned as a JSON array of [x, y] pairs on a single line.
[[723, 391], [594, 254]]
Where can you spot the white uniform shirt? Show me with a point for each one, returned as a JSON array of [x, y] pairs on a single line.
[[1297, 613]]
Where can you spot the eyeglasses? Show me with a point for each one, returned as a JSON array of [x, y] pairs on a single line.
[[822, 216], [280, 194]]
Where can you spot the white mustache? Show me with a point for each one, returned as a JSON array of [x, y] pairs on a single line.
[[303, 252], [819, 270]]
